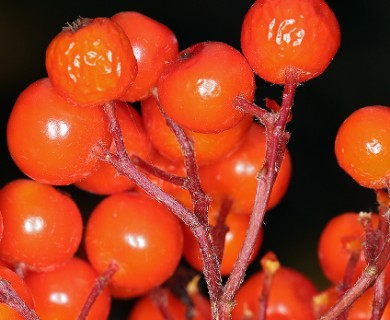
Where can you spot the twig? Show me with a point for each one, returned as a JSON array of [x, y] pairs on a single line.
[[11, 298], [101, 282], [275, 147]]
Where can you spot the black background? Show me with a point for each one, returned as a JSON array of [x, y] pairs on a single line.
[[319, 189]]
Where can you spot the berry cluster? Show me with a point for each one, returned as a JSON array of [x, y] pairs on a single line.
[[187, 166]]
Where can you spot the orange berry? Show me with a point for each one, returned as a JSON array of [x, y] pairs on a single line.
[[91, 61], [362, 146], [154, 45], [281, 35], [198, 89]]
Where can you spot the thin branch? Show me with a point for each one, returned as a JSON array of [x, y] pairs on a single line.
[[197, 224], [100, 284], [275, 147], [366, 280], [11, 298]]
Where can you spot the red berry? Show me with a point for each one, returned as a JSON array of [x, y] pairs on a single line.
[[281, 36], [341, 236], [141, 235], [290, 297], [362, 146], [91, 61], [237, 225], [153, 43], [106, 180], [42, 226], [50, 139], [198, 89], [21, 288], [60, 294], [236, 175], [209, 147]]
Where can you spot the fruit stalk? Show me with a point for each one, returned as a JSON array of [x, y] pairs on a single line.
[[277, 139], [201, 230]]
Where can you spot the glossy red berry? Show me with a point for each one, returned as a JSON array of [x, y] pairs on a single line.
[[282, 36], [145, 308], [42, 226], [362, 146], [60, 294], [342, 235], [237, 226], [290, 297], [50, 139], [140, 234], [91, 61], [105, 179], [198, 89], [21, 288], [154, 45], [236, 175], [208, 147]]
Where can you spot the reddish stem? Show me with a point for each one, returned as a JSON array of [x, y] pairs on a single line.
[[275, 148], [159, 297], [200, 200], [10, 297], [157, 172], [101, 282], [197, 224], [270, 266], [366, 280]]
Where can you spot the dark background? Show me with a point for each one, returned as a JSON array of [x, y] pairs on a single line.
[[319, 189]]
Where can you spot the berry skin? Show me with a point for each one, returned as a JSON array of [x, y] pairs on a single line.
[[106, 180], [237, 225], [50, 139], [342, 234], [154, 45], [21, 288], [198, 89], [209, 147], [140, 234], [362, 146], [290, 296], [91, 62], [42, 226], [235, 175], [279, 36], [145, 308], [61, 293]]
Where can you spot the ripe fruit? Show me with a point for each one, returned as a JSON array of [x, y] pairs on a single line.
[[50, 139], [290, 297], [237, 225], [141, 235], [154, 45], [209, 147], [145, 308], [281, 36], [21, 288], [341, 236], [42, 226], [60, 294], [106, 180], [197, 90], [235, 176], [362, 146], [91, 61]]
